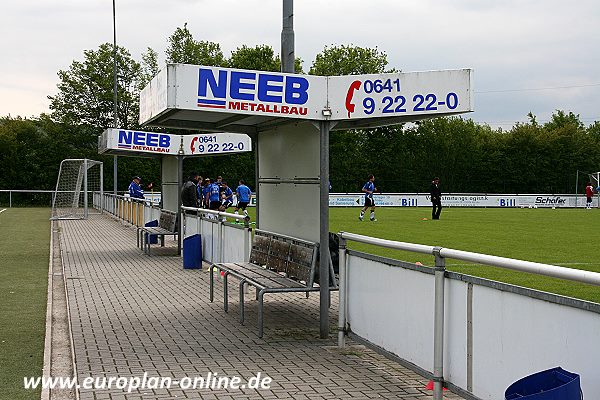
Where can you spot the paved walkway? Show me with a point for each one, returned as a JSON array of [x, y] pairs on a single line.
[[133, 314]]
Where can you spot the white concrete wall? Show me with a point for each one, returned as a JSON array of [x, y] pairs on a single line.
[[514, 335], [289, 152], [234, 239]]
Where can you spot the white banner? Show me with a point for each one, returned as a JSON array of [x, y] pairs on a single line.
[[463, 200], [400, 94], [128, 141]]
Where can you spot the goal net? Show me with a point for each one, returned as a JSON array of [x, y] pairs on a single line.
[[78, 181], [595, 179]]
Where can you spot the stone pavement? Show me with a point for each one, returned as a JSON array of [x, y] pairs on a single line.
[[133, 314]]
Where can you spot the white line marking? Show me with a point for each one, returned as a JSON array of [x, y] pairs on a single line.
[[1, 211]]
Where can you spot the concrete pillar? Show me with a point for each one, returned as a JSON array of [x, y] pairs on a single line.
[[170, 187]]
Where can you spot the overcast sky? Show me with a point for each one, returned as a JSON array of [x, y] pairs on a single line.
[[527, 55]]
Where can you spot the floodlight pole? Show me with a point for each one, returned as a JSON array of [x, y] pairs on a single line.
[[287, 38], [115, 119]]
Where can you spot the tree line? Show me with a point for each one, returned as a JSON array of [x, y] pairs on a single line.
[[467, 156]]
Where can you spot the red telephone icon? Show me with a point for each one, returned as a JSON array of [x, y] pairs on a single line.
[[192, 147], [349, 105]]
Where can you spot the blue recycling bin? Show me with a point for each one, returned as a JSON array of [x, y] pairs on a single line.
[[552, 384], [151, 239], [192, 252]]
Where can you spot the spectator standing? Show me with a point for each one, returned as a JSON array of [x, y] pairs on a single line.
[[135, 190], [436, 198], [189, 191]]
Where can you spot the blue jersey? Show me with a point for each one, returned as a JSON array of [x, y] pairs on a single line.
[[243, 193], [205, 191], [213, 192], [135, 191], [369, 187], [227, 192]]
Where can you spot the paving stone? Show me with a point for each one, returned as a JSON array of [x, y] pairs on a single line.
[[132, 313]]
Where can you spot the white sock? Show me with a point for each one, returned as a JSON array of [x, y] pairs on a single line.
[[372, 214]]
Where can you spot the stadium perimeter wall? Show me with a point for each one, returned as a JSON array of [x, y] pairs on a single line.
[[494, 334]]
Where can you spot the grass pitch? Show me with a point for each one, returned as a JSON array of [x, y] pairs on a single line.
[[565, 237], [24, 256]]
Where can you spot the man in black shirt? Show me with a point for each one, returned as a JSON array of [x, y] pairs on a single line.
[[436, 198], [189, 191]]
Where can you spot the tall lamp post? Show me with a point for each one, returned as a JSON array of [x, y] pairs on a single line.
[[115, 118]]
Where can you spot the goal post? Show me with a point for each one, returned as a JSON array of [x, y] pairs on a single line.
[[78, 181]]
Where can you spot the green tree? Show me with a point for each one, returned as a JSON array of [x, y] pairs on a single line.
[[260, 58], [183, 48], [85, 90], [148, 67], [348, 60]]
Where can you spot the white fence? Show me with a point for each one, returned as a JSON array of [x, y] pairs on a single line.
[[222, 241], [493, 333]]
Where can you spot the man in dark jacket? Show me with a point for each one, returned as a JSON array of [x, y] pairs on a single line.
[[189, 194], [436, 198]]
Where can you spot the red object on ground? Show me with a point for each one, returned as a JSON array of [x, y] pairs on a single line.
[[430, 386]]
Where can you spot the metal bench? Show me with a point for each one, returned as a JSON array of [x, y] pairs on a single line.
[[278, 264], [167, 224]]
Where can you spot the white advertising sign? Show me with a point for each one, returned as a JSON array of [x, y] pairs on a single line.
[[250, 92], [274, 94], [462, 200], [400, 94], [139, 142], [123, 141], [216, 143]]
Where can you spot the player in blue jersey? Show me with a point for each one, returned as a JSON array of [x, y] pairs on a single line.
[[213, 196], [226, 196], [205, 190], [243, 194], [135, 190], [369, 188]]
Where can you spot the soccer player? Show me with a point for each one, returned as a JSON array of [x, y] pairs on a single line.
[[212, 197], [135, 190], [368, 189], [227, 197], [589, 194], [243, 194], [205, 190]]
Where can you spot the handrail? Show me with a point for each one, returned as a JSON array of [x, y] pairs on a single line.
[[554, 271], [441, 254], [218, 213]]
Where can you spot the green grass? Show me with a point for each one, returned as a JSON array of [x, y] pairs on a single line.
[[24, 252], [560, 237]]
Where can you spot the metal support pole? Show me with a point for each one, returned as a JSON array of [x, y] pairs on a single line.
[[102, 204], [342, 295], [85, 189], [10, 199], [438, 326], [179, 185], [324, 229], [115, 117], [287, 38]]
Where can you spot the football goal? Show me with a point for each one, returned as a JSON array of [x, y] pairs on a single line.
[[78, 181]]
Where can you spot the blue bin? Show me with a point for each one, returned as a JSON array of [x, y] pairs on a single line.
[[151, 239], [552, 384], [192, 252]]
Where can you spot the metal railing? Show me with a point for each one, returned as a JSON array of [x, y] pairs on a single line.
[[125, 208], [10, 193], [440, 255]]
